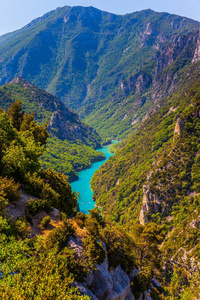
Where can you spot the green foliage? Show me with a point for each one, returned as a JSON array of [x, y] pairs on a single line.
[[87, 75], [19, 150], [37, 274], [14, 114], [37, 187], [65, 156], [147, 239], [9, 189], [34, 206], [68, 157], [59, 235], [58, 182], [94, 250], [95, 214], [80, 219], [45, 221], [120, 247]]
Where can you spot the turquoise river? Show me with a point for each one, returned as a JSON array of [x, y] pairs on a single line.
[[82, 185]]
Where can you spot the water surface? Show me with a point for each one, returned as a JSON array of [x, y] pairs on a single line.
[[82, 185]]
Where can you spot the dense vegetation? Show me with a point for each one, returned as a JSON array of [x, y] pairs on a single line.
[[109, 68], [77, 150], [68, 157], [130, 75], [44, 266], [167, 164]]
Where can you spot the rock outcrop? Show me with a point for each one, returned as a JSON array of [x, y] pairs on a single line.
[[150, 202], [102, 283], [179, 127], [196, 57]]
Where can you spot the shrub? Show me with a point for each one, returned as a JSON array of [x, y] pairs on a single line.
[[37, 187], [58, 182], [94, 250], [95, 213], [93, 227], [59, 235], [10, 189], [34, 206], [45, 221], [80, 219], [54, 187]]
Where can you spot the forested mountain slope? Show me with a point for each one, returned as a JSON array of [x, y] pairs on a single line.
[[76, 139], [48, 250], [109, 68], [154, 177]]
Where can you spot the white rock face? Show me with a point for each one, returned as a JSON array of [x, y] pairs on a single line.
[[179, 127], [196, 57], [121, 285], [101, 283]]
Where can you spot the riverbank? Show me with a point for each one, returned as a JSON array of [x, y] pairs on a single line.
[[82, 185]]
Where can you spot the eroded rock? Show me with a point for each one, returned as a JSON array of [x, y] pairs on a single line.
[[121, 284]]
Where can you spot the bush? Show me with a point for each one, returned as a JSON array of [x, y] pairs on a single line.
[[10, 189], [94, 250], [58, 182], [59, 235], [80, 219], [34, 206], [45, 221], [54, 187]]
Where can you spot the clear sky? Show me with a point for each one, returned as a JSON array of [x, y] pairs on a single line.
[[14, 14]]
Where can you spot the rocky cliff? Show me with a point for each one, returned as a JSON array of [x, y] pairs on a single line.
[[62, 122]]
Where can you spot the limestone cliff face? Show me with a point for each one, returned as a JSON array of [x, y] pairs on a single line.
[[137, 83], [150, 202], [196, 57], [102, 283], [179, 127], [179, 50], [66, 125]]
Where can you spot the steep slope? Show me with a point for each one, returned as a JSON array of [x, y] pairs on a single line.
[[154, 177], [76, 139], [107, 67], [48, 249], [118, 184]]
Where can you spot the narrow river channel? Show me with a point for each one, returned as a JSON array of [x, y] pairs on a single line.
[[82, 185]]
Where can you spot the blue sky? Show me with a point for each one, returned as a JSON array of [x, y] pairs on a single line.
[[14, 14]]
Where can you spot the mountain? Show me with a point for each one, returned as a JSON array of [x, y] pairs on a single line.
[[154, 177], [111, 69], [136, 77], [66, 131]]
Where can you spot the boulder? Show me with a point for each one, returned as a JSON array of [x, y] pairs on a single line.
[[76, 245], [102, 283], [121, 284]]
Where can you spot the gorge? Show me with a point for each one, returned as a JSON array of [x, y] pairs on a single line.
[[71, 81]]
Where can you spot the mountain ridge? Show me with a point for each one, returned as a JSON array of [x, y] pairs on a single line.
[[82, 55]]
